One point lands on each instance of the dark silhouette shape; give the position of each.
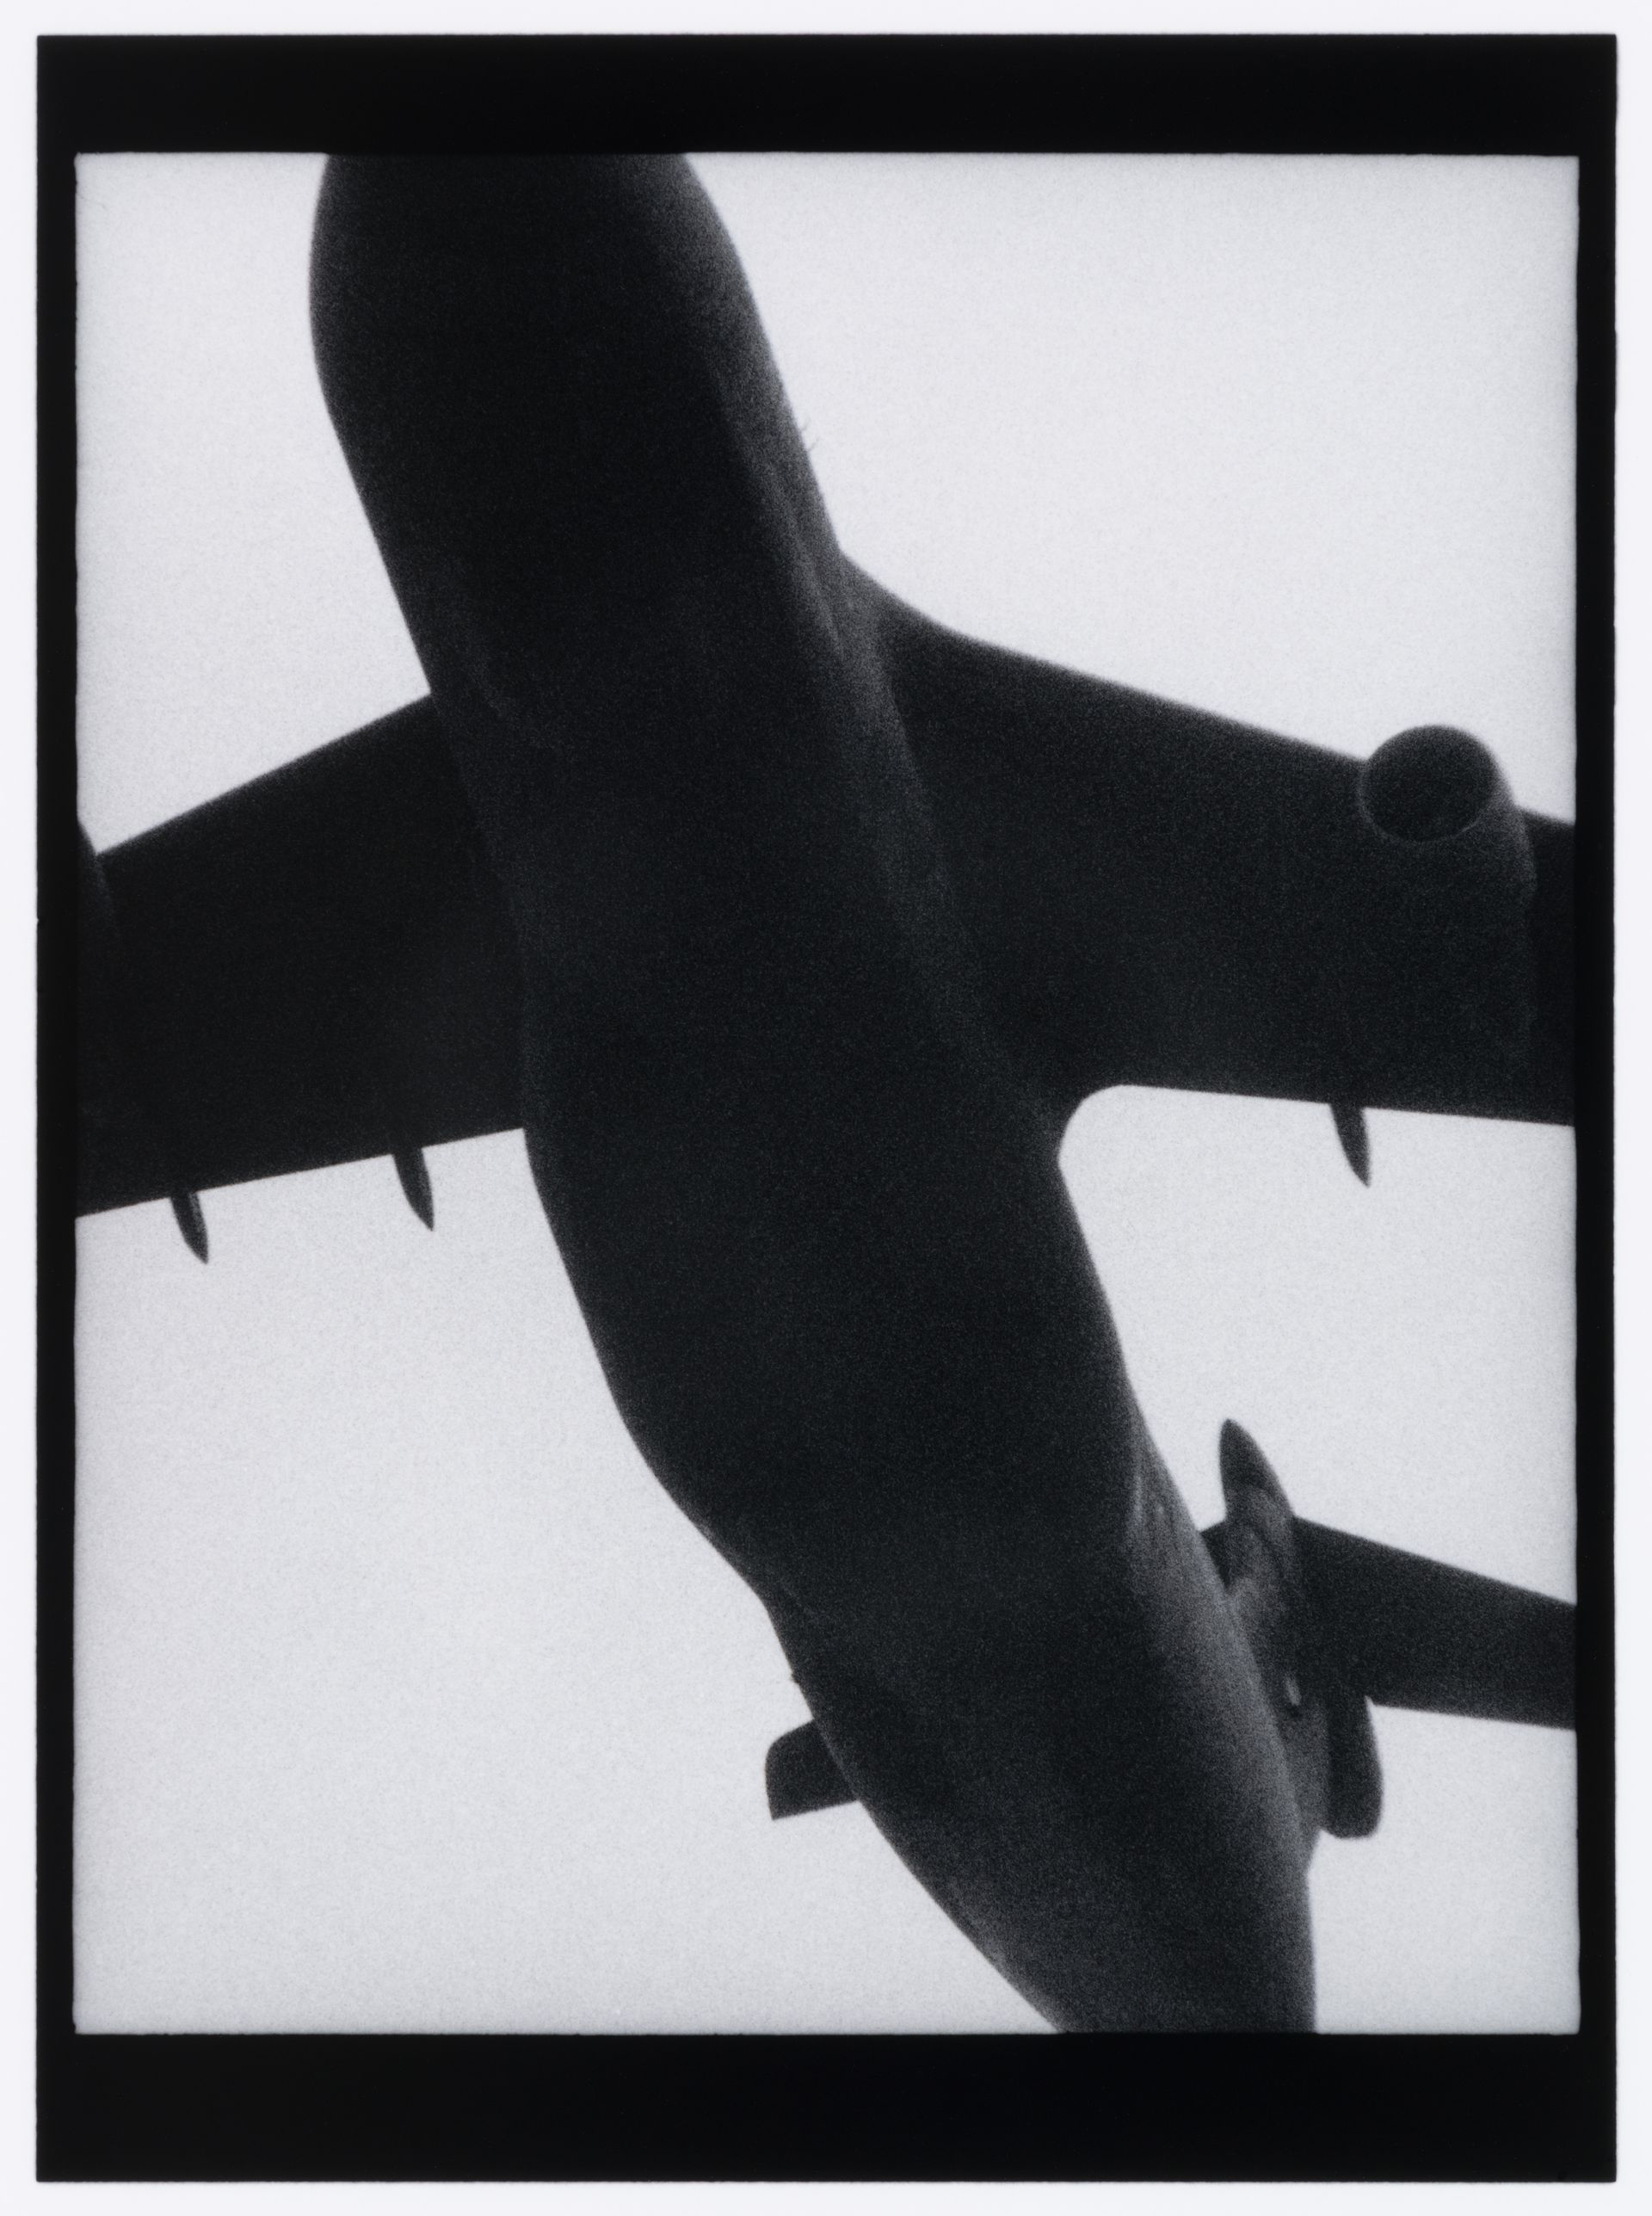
(1377, 1623)
(187, 1215)
(123, 1084)
(413, 1175)
(814, 922)
(799, 1774)
(1352, 1137)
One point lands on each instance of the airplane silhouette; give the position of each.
(816, 923)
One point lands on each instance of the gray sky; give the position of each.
(407, 1700)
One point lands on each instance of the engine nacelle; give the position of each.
(1439, 806)
(1449, 878)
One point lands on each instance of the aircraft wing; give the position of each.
(314, 968)
(1165, 897)
(318, 967)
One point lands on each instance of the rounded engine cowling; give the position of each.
(1440, 810)
(1449, 877)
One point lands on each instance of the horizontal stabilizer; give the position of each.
(1409, 1633)
(801, 1776)
(1405, 1631)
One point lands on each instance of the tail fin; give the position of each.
(1323, 1716)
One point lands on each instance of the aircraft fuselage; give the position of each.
(811, 1211)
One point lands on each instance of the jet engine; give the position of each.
(1448, 876)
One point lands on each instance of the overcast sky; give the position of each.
(406, 1698)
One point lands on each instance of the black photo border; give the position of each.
(1393, 2107)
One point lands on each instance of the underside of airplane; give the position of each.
(707, 859)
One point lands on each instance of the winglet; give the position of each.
(1350, 1120)
(411, 1168)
